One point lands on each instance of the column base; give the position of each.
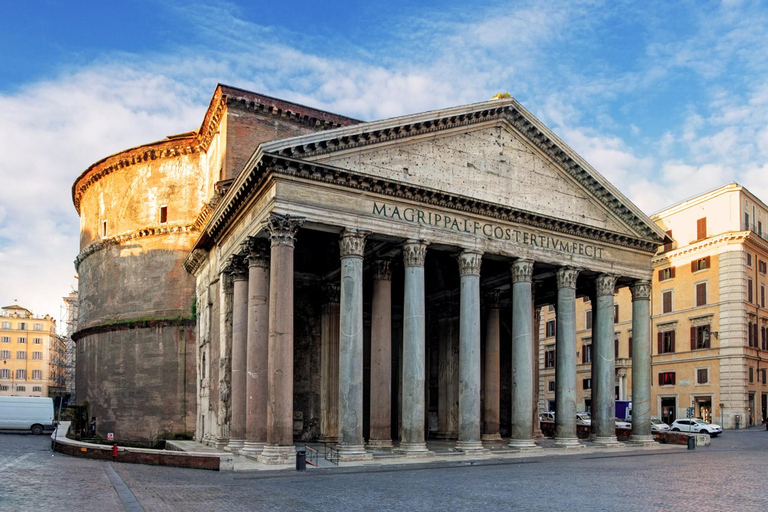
(568, 443)
(607, 442)
(252, 449)
(641, 440)
(234, 445)
(471, 448)
(491, 437)
(220, 443)
(523, 445)
(349, 452)
(275, 454)
(415, 450)
(379, 444)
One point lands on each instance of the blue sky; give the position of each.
(665, 99)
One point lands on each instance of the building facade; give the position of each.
(710, 323)
(30, 354)
(376, 284)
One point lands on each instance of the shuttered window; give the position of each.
(701, 294)
(701, 229)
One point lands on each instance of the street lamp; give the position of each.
(13, 379)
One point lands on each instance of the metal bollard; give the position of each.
(301, 460)
(691, 442)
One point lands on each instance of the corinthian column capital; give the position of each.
(605, 284)
(382, 270)
(257, 252)
(282, 228)
(469, 262)
(414, 253)
(237, 268)
(522, 270)
(641, 290)
(352, 242)
(566, 277)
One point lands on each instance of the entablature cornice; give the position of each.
(270, 165)
(700, 246)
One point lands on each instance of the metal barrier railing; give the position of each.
(331, 454)
(311, 455)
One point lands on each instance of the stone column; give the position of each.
(522, 356)
(225, 348)
(351, 444)
(257, 389)
(491, 378)
(412, 442)
(279, 448)
(329, 365)
(381, 357)
(604, 363)
(239, 353)
(641, 363)
(535, 363)
(447, 372)
(469, 353)
(565, 365)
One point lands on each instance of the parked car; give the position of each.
(26, 413)
(583, 418)
(658, 426)
(623, 424)
(696, 425)
(547, 416)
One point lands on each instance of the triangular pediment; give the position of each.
(495, 152)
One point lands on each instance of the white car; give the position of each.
(697, 425)
(583, 418)
(547, 416)
(658, 426)
(623, 424)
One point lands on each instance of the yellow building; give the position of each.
(709, 318)
(31, 354)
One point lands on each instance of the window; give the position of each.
(21, 388)
(666, 273)
(37, 355)
(5, 354)
(701, 229)
(21, 354)
(700, 264)
(550, 328)
(551, 386)
(6, 325)
(762, 374)
(586, 353)
(750, 297)
(549, 358)
(751, 374)
(163, 214)
(588, 319)
(38, 327)
(37, 374)
(764, 338)
(666, 378)
(37, 341)
(5, 373)
(668, 245)
(629, 348)
(700, 337)
(21, 374)
(103, 228)
(702, 376)
(38, 389)
(701, 294)
(762, 295)
(666, 342)
(762, 267)
(551, 308)
(752, 334)
(749, 260)
(3, 388)
(615, 313)
(746, 221)
(21, 340)
(666, 301)
(5, 339)
(760, 228)
(586, 384)
(22, 326)
(615, 348)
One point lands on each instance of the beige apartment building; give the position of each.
(31, 354)
(709, 318)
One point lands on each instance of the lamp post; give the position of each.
(13, 380)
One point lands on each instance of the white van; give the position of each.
(26, 413)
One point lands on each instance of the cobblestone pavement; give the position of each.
(728, 475)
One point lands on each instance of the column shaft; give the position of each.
(469, 353)
(351, 445)
(381, 357)
(604, 364)
(491, 378)
(225, 348)
(641, 363)
(412, 441)
(257, 384)
(565, 365)
(239, 355)
(329, 366)
(522, 355)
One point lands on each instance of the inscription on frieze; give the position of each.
(459, 224)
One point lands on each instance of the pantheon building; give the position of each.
(376, 284)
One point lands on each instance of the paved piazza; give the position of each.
(728, 475)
